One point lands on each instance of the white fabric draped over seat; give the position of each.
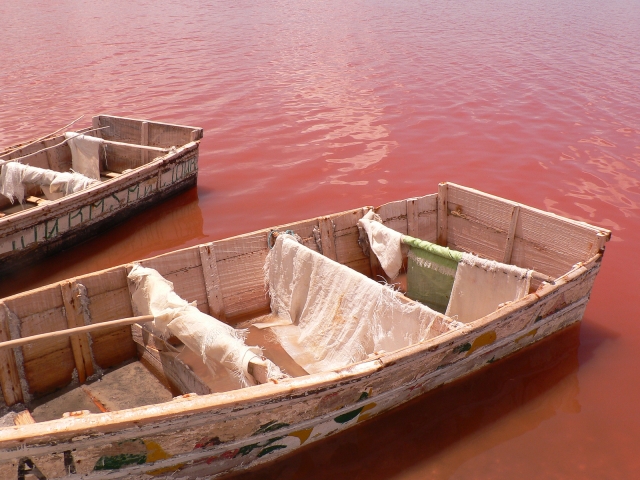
(332, 316)
(15, 175)
(219, 344)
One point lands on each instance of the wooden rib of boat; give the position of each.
(141, 162)
(119, 402)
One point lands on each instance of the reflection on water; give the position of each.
(173, 224)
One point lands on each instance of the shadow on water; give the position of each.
(177, 222)
(415, 433)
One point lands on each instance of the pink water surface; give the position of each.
(311, 107)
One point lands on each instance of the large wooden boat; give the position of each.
(100, 395)
(140, 162)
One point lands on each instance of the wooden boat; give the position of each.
(140, 163)
(126, 404)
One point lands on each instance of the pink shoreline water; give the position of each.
(316, 107)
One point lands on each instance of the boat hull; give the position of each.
(212, 435)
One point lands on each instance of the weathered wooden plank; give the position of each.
(167, 365)
(475, 237)
(75, 318)
(41, 299)
(394, 215)
(162, 135)
(443, 212)
(43, 379)
(110, 345)
(549, 245)
(177, 268)
(107, 280)
(212, 281)
(428, 218)
(327, 235)
(508, 249)
(9, 374)
(144, 140)
(113, 347)
(413, 228)
(110, 305)
(478, 223)
(41, 323)
(124, 156)
(24, 418)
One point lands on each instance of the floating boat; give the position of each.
(182, 365)
(120, 166)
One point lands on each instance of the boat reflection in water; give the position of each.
(175, 223)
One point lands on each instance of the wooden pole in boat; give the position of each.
(18, 342)
(9, 152)
(55, 146)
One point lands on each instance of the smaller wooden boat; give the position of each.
(143, 370)
(44, 207)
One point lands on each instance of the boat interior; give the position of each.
(112, 366)
(125, 144)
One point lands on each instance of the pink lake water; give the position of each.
(312, 107)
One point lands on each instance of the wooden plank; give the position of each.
(212, 282)
(110, 305)
(42, 323)
(412, 218)
(24, 418)
(73, 299)
(38, 300)
(346, 236)
(394, 215)
(113, 346)
(442, 215)
(9, 374)
(164, 135)
(508, 249)
(166, 360)
(184, 269)
(104, 281)
(189, 284)
(172, 372)
(478, 223)
(475, 237)
(549, 245)
(144, 140)
(125, 156)
(42, 378)
(327, 237)
(428, 217)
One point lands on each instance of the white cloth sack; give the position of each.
(85, 154)
(15, 175)
(481, 286)
(336, 315)
(218, 343)
(385, 243)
